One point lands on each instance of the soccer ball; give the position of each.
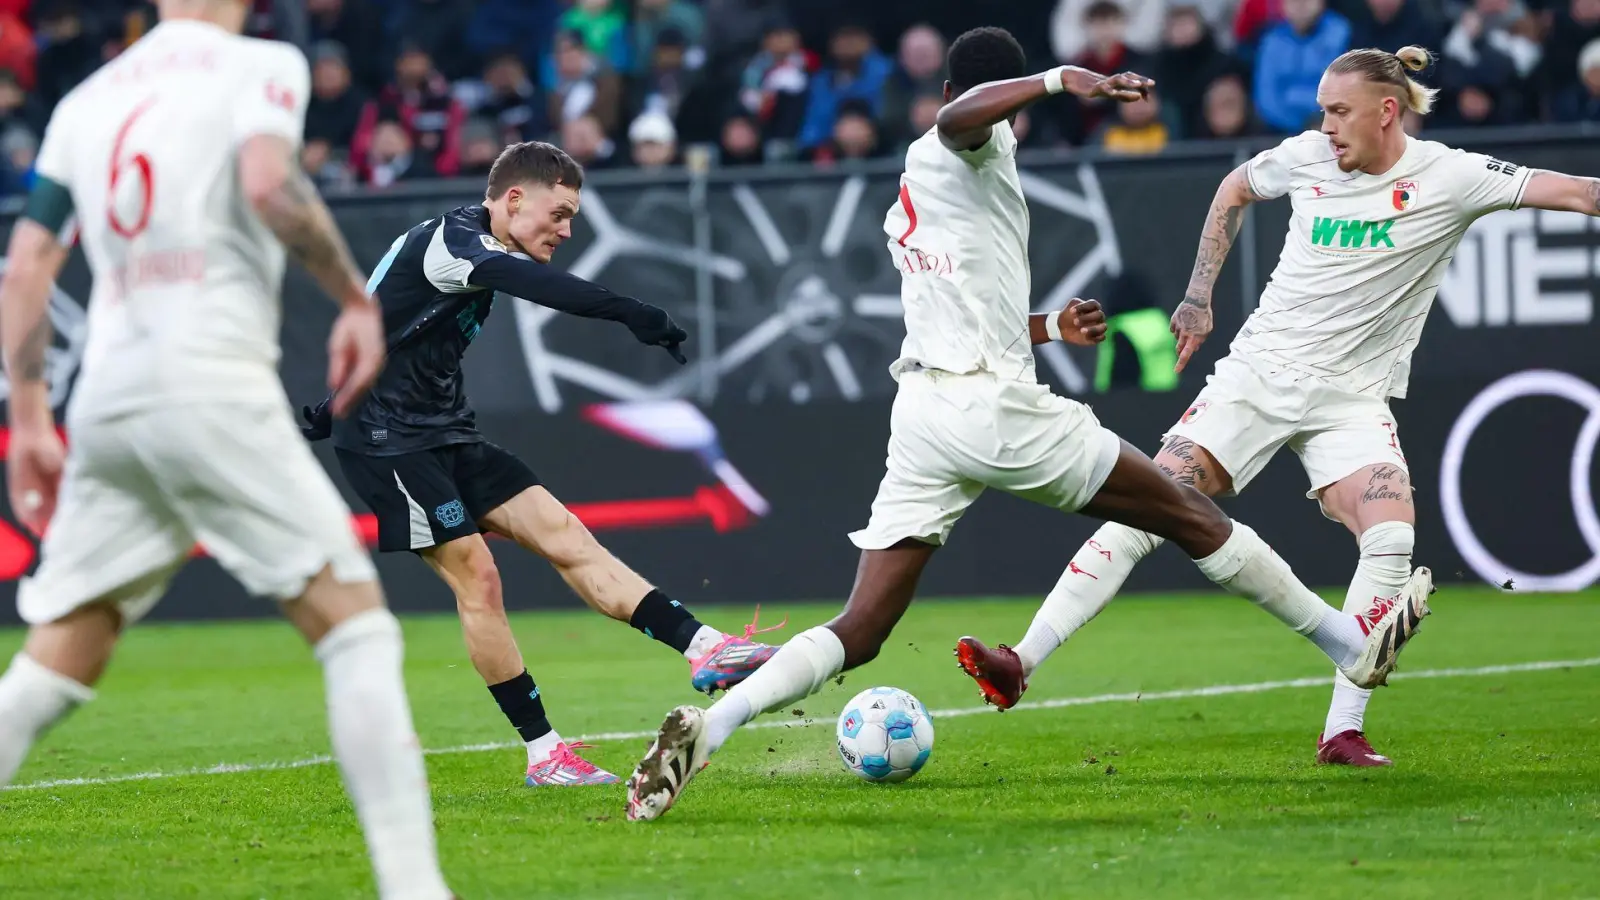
(885, 734)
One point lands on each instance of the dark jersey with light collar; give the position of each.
(437, 285)
(432, 312)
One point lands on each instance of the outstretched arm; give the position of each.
(1191, 323)
(965, 122)
(562, 291)
(1567, 193)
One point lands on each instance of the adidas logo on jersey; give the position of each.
(1351, 233)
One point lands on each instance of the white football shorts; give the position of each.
(951, 436)
(140, 490)
(1250, 408)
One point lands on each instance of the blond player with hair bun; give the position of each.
(1377, 217)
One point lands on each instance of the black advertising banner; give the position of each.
(736, 478)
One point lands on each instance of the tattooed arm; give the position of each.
(33, 259)
(1567, 193)
(1191, 323)
(288, 204)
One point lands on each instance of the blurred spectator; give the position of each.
(1250, 21)
(1226, 110)
(18, 143)
(734, 28)
(1106, 24)
(1494, 26)
(918, 72)
(391, 156)
(667, 81)
(584, 139)
(859, 72)
(1481, 72)
(653, 141)
(328, 166)
(652, 18)
(507, 97)
(498, 24)
(357, 27)
(1188, 63)
(1142, 26)
(741, 141)
(421, 102)
(581, 84)
(1575, 24)
(68, 53)
(854, 136)
(924, 114)
(1138, 128)
(17, 49)
(604, 27)
(773, 87)
(334, 110)
(1291, 59)
(481, 144)
(1581, 102)
(1392, 24)
(439, 27)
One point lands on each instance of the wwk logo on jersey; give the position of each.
(1405, 194)
(1351, 233)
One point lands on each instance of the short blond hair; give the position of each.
(1392, 70)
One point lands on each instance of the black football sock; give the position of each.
(519, 700)
(665, 619)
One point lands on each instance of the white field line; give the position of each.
(1217, 690)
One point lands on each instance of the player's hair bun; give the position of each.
(1414, 58)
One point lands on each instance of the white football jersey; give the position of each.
(959, 235)
(1365, 255)
(185, 303)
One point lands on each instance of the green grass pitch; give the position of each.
(1496, 792)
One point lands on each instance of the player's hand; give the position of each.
(1125, 87)
(319, 422)
(1083, 322)
(651, 325)
(1191, 324)
(355, 354)
(33, 475)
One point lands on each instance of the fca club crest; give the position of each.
(1195, 411)
(1405, 194)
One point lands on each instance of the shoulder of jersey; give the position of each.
(469, 218)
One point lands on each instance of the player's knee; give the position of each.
(1386, 551)
(481, 581)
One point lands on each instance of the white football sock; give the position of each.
(378, 753)
(540, 748)
(32, 698)
(1245, 565)
(702, 642)
(1093, 577)
(799, 669)
(1383, 572)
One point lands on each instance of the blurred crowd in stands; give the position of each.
(414, 89)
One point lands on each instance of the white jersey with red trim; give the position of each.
(185, 304)
(959, 235)
(1364, 256)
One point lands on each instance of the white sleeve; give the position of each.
(1001, 142)
(1482, 184)
(273, 97)
(54, 161)
(1271, 172)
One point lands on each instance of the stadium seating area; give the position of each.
(415, 89)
